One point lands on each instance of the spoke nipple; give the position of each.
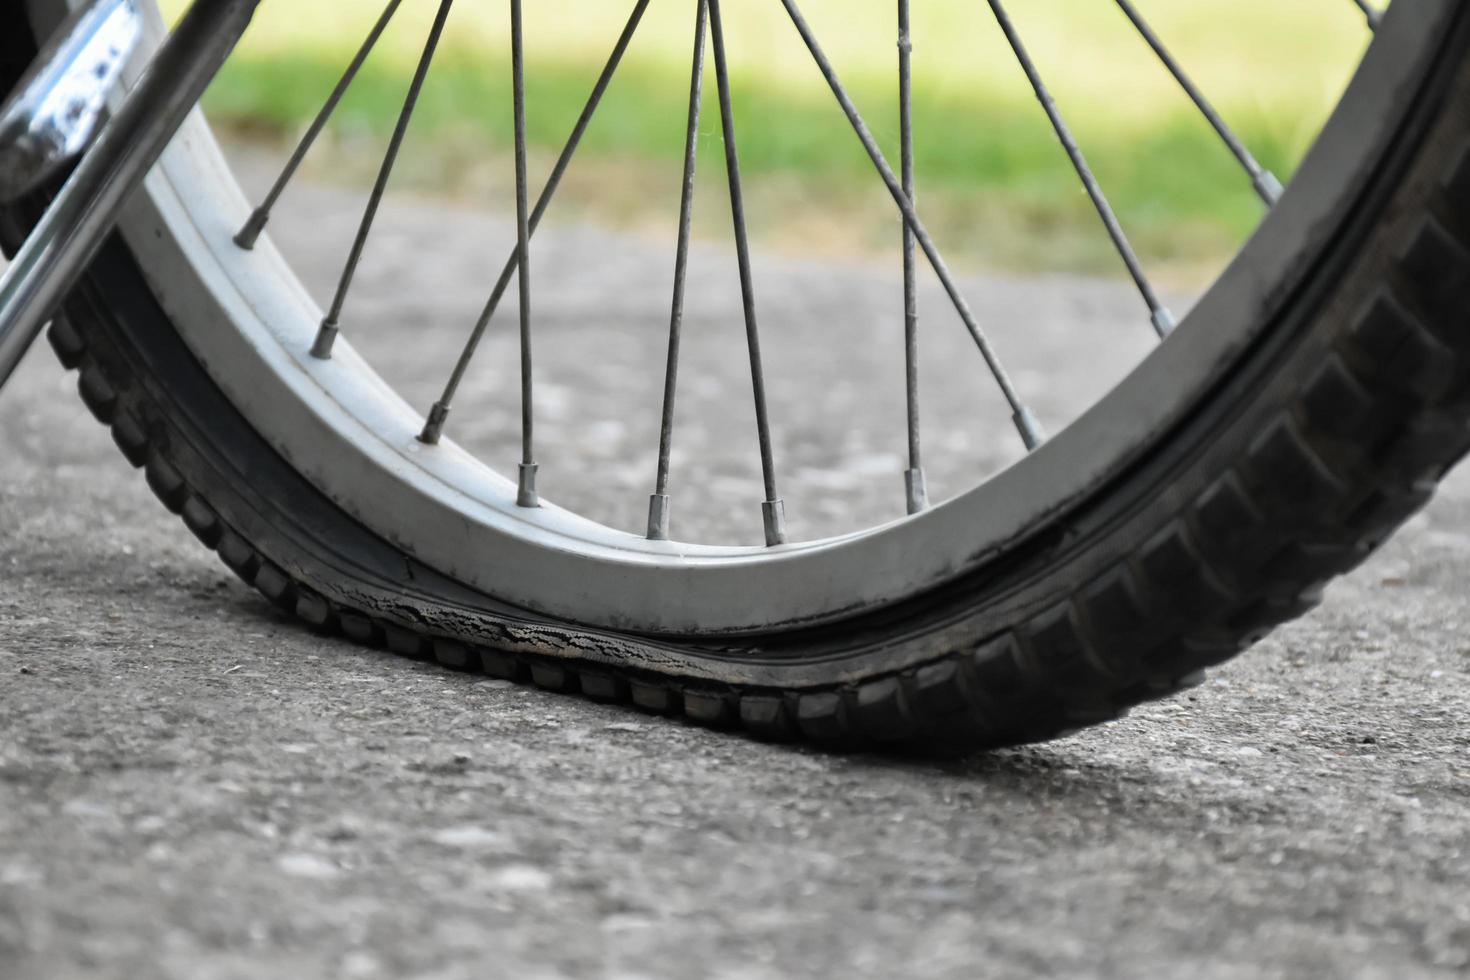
(434, 426)
(325, 338)
(773, 512)
(1163, 321)
(658, 517)
(251, 232)
(526, 491)
(1032, 434)
(916, 490)
(1268, 187)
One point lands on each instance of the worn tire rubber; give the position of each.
(1329, 432)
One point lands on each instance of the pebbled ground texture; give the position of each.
(193, 785)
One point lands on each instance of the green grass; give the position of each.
(993, 180)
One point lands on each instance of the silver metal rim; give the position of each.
(251, 324)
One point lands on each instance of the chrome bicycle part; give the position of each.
(56, 109)
(85, 210)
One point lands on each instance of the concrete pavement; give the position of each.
(192, 786)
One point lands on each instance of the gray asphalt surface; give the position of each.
(191, 786)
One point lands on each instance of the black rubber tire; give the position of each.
(1329, 432)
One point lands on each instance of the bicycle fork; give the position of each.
(52, 116)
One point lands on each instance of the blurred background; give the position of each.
(997, 190)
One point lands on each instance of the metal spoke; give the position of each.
(916, 491)
(1163, 320)
(526, 488)
(1264, 182)
(434, 426)
(658, 503)
(258, 218)
(773, 509)
(1374, 15)
(1025, 420)
(327, 333)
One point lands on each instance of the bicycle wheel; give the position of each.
(1303, 408)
